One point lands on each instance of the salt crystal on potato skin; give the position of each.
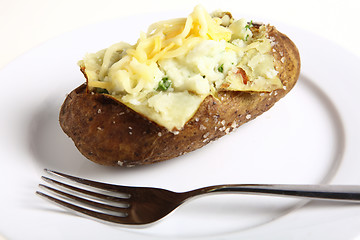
(150, 143)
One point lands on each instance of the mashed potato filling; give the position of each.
(167, 74)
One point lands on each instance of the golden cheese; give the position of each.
(170, 70)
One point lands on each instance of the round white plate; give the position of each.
(310, 136)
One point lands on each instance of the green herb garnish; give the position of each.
(249, 25)
(164, 84)
(221, 68)
(102, 90)
(247, 36)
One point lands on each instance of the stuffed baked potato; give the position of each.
(112, 123)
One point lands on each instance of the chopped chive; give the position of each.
(102, 90)
(249, 25)
(164, 84)
(221, 68)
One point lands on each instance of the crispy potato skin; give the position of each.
(108, 133)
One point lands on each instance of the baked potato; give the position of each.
(110, 131)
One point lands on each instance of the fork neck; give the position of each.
(206, 190)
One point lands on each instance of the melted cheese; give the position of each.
(197, 54)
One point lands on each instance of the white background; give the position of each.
(26, 24)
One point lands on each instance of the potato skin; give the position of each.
(109, 133)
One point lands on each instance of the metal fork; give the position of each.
(143, 205)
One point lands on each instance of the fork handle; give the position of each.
(324, 192)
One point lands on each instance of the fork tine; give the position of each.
(86, 192)
(81, 200)
(103, 186)
(84, 211)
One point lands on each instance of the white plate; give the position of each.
(310, 136)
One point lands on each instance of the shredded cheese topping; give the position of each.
(196, 56)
